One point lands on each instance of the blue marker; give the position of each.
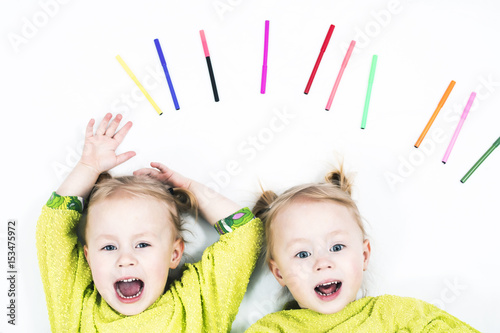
(165, 69)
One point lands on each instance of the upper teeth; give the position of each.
(327, 284)
(129, 280)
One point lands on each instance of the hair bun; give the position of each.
(338, 178)
(103, 176)
(263, 204)
(185, 200)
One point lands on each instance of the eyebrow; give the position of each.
(305, 240)
(111, 236)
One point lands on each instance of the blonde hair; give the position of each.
(177, 200)
(337, 188)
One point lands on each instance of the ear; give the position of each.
(366, 253)
(273, 266)
(86, 253)
(177, 251)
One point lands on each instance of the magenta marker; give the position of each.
(264, 65)
(459, 127)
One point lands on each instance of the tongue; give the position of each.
(327, 289)
(129, 288)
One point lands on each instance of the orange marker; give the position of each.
(434, 115)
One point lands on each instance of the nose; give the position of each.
(126, 259)
(323, 262)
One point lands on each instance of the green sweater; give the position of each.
(205, 299)
(369, 314)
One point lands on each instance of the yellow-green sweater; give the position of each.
(205, 299)
(384, 314)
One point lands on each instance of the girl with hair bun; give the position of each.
(316, 247)
(115, 278)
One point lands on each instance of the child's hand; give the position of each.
(212, 205)
(99, 148)
(165, 175)
(98, 156)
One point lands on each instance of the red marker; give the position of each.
(316, 65)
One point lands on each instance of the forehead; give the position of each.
(303, 217)
(121, 213)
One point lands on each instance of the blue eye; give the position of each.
(303, 254)
(142, 245)
(109, 248)
(337, 247)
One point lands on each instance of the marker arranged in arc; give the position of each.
(369, 91)
(209, 65)
(481, 160)
(134, 78)
(339, 76)
(165, 69)
(459, 127)
(320, 56)
(264, 64)
(434, 115)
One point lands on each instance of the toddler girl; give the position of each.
(115, 278)
(316, 247)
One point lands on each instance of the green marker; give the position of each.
(478, 163)
(369, 90)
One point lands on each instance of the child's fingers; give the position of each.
(89, 131)
(124, 157)
(101, 129)
(114, 125)
(174, 178)
(120, 135)
(163, 169)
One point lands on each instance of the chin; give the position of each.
(129, 310)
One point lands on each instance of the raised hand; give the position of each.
(99, 155)
(99, 148)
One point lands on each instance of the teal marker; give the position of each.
(369, 90)
(478, 163)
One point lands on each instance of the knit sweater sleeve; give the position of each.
(63, 268)
(223, 274)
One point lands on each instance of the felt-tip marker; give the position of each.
(478, 163)
(165, 69)
(209, 64)
(320, 56)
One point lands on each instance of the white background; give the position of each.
(433, 237)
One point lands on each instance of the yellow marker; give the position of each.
(132, 76)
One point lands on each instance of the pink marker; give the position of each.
(344, 64)
(209, 65)
(264, 65)
(459, 127)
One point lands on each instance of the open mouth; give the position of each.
(327, 289)
(129, 289)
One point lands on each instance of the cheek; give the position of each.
(296, 273)
(99, 267)
(356, 267)
(156, 265)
